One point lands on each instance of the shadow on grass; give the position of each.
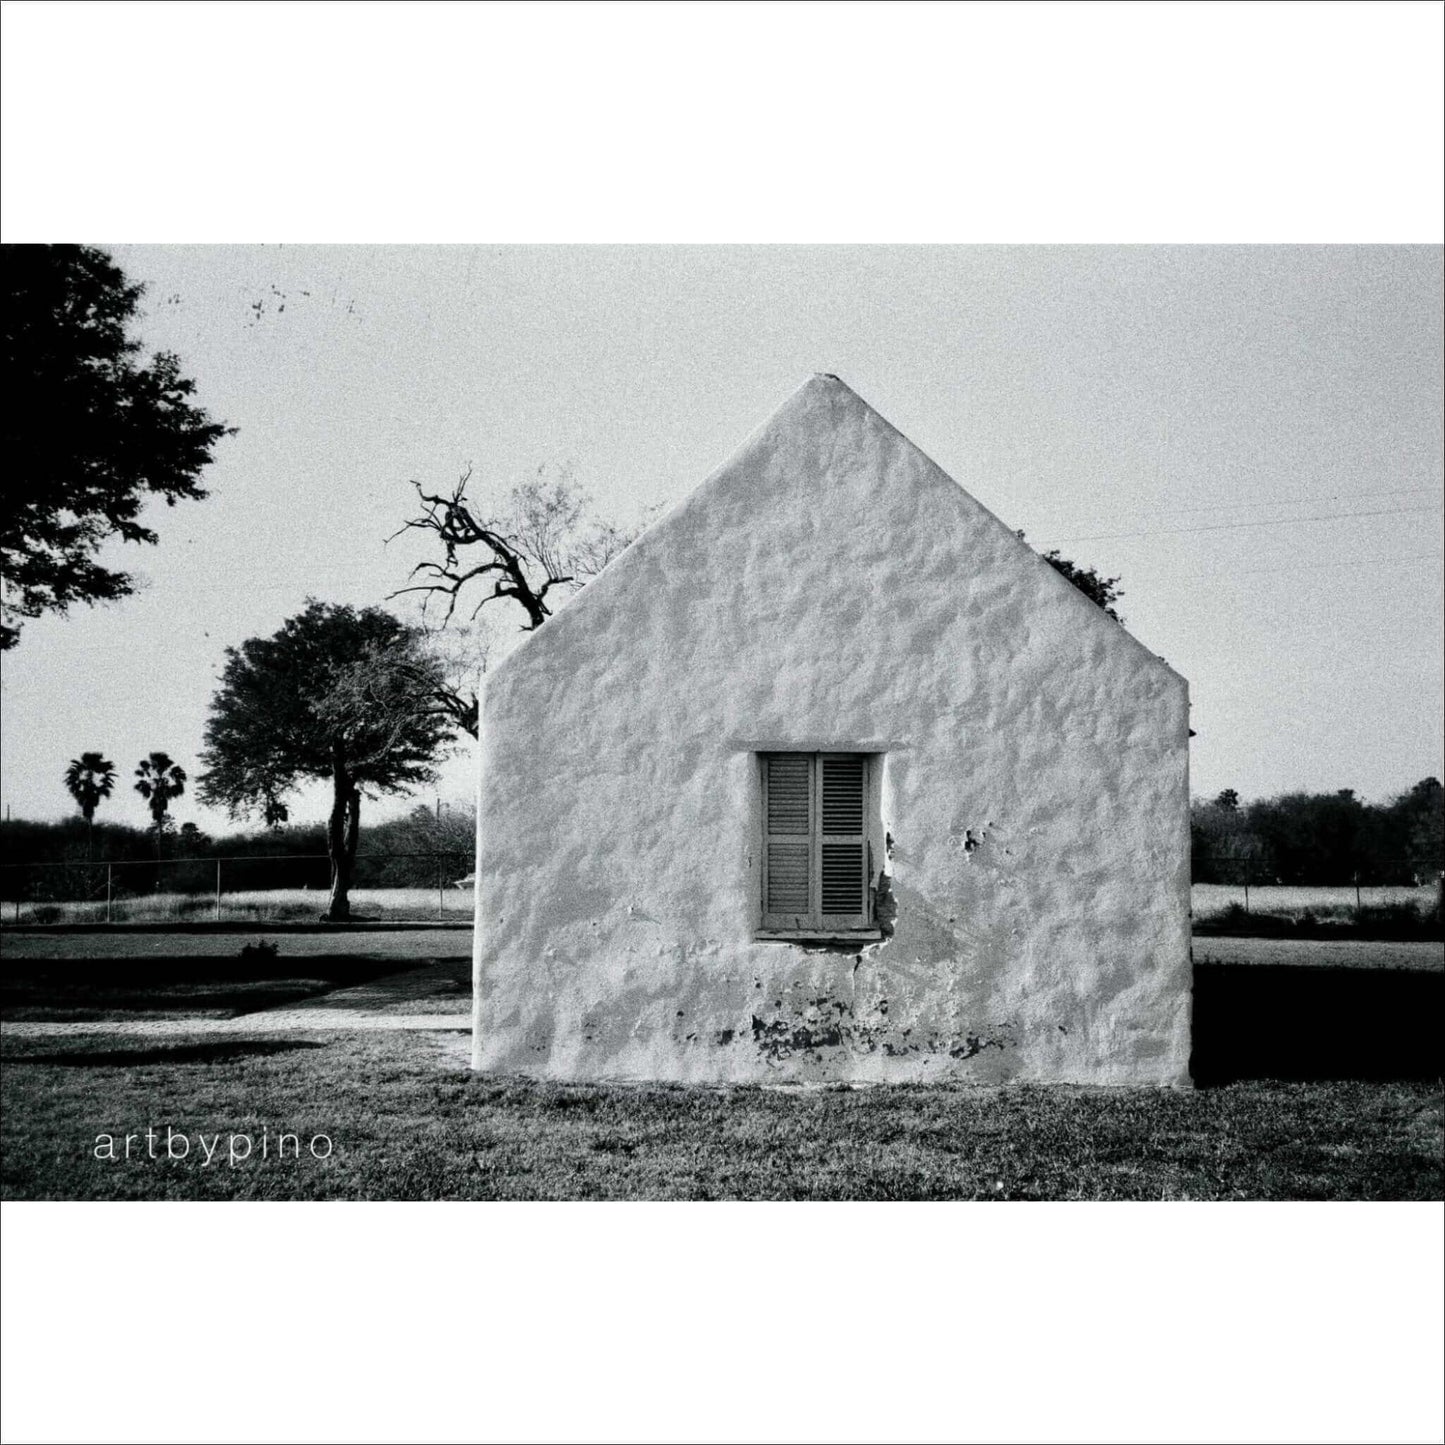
(88, 989)
(217, 1053)
(1279, 1021)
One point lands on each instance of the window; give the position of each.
(817, 843)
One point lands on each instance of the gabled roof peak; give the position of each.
(824, 449)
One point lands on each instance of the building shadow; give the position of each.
(89, 989)
(1281, 1021)
(217, 1053)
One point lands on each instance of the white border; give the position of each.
(1070, 1322)
(871, 121)
(786, 122)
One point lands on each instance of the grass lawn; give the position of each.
(406, 1122)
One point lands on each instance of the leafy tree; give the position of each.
(338, 693)
(91, 430)
(452, 828)
(88, 779)
(1105, 591)
(1225, 850)
(427, 847)
(158, 780)
(1418, 818)
(1312, 838)
(1318, 839)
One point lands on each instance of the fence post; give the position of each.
(108, 892)
(218, 890)
(1357, 892)
(1246, 890)
(441, 897)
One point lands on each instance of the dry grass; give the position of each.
(403, 1127)
(275, 905)
(1210, 899)
(401, 904)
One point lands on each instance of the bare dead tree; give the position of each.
(541, 542)
(391, 691)
(462, 652)
(541, 545)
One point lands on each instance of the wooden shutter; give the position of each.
(815, 845)
(842, 840)
(788, 845)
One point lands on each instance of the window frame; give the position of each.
(817, 925)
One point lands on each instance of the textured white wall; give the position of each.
(830, 587)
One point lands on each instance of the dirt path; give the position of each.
(434, 998)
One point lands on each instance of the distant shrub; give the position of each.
(1401, 921)
(1237, 919)
(1398, 920)
(260, 951)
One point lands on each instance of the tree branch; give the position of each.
(543, 545)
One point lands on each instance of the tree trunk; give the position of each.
(342, 831)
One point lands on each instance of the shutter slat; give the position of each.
(788, 794)
(787, 877)
(842, 877)
(843, 795)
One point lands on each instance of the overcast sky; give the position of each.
(1249, 436)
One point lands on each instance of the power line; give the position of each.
(1233, 526)
(1255, 506)
(1305, 566)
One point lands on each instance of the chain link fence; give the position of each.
(396, 887)
(1255, 886)
(438, 885)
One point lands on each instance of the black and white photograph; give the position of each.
(842, 726)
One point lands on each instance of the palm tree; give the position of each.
(89, 778)
(158, 780)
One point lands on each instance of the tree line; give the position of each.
(1315, 839)
(1303, 839)
(419, 850)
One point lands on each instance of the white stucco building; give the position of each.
(830, 777)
